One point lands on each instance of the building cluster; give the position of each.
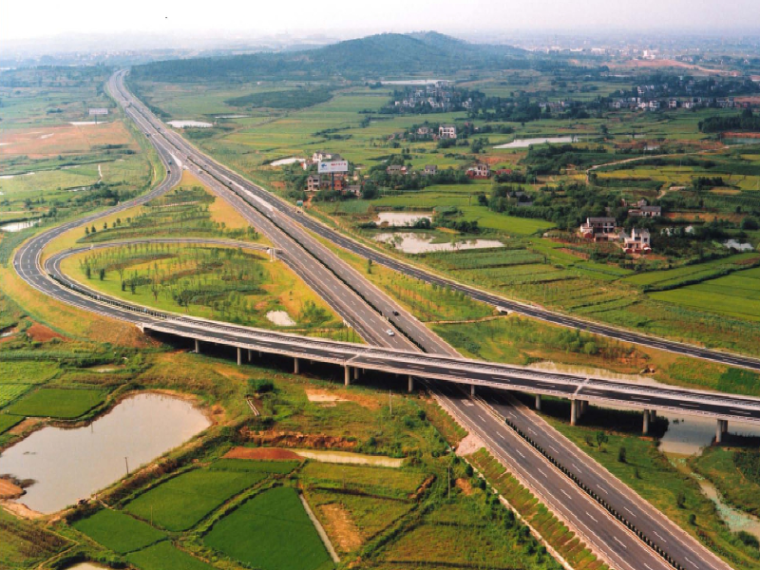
(338, 181)
(645, 103)
(438, 97)
(600, 229)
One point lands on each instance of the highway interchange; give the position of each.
(372, 313)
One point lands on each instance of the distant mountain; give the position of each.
(371, 57)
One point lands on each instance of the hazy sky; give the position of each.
(21, 19)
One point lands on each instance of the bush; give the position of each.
(260, 386)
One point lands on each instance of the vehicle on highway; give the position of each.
(395, 313)
(390, 332)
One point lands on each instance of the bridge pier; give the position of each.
(197, 346)
(720, 430)
(239, 356)
(472, 390)
(411, 384)
(249, 355)
(538, 402)
(652, 415)
(296, 366)
(574, 411)
(584, 408)
(645, 428)
(347, 375)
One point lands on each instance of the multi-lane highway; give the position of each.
(374, 311)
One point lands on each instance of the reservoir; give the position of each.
(71, 464)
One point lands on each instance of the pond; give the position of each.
(286, 161)
(741, 140)
(280, 318)
(195, 124)
(525, 143)
(401, 218)
(735, 519)
(424, 243)
(19, 226)
(71, 464)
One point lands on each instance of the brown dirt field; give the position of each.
(262, 453)
(39, 142)
(294, 439)
(9, 490)
(465, 486)
(341, 527)
(743, 135)
(41, 333)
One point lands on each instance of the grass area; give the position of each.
(183, 501)
(118, 531)
(271, 531)
(725, 468)
(25, 544)
(162, 556)
(62, 403)
(389, 482)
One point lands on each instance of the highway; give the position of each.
(396, 354)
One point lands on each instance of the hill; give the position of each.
(371, 57)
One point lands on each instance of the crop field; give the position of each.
(118, 531)
(57, 402)
(381, 481)
(10, 392)
(8, 421)
(271, 531)
(183, 501)
(162, 556)
(206, 281)
(736, 295)
(701, 271)
(24, 544)
(254, 466)
(26, 372)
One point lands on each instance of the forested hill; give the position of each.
(365, 58)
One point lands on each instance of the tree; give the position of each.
(622, 454)
(102, 274)
(369, 267)
(88, 272)
(601, 438)
(750, 224)
(681, 500)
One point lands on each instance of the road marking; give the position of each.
(660, 537)
(482, 419)
(620, 542)
(501, 435)
(691, 562)
(591, 517)
(565, 493)
(602, 489)
(520, 452)
(542, 473)
(576, 468)
(630, 511)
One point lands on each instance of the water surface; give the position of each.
(72, 464)
(196, 124)
(525, 143)
(423, 243)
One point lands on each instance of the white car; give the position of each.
(390, 332)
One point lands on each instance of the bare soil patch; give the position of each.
(469, 445)
(341, 527)
(464, 486)
(41, 333)
(295, 439)
(262, 453)
(9, 490)
(66, 139)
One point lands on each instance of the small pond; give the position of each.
(401, 218)
(286, 161)
(735, 519)
(188, 123)
(19, 226)
(280, 318)
(525, 143)
(424, 243)
(72, 464)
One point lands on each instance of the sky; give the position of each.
(27, 19)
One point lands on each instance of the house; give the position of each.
(312, 183)
(637, 242)
(480, 170)
(396, 169)
(354, 189)
(447, 132)
(599, 228)
(646, 212)
(504, 172)
(424, 131)
(430, 170)
(320, 156)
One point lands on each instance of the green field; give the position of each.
(383, 481)
(248, 465)
(28, 372)
(7, 422)
(9, 392)
(164, 556)
(183, 501)
(736, 295)
(57, 402)
(24, 544)
(271, 531)
(118, 531)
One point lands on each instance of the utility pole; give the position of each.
(126, 463)
(390, 401)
